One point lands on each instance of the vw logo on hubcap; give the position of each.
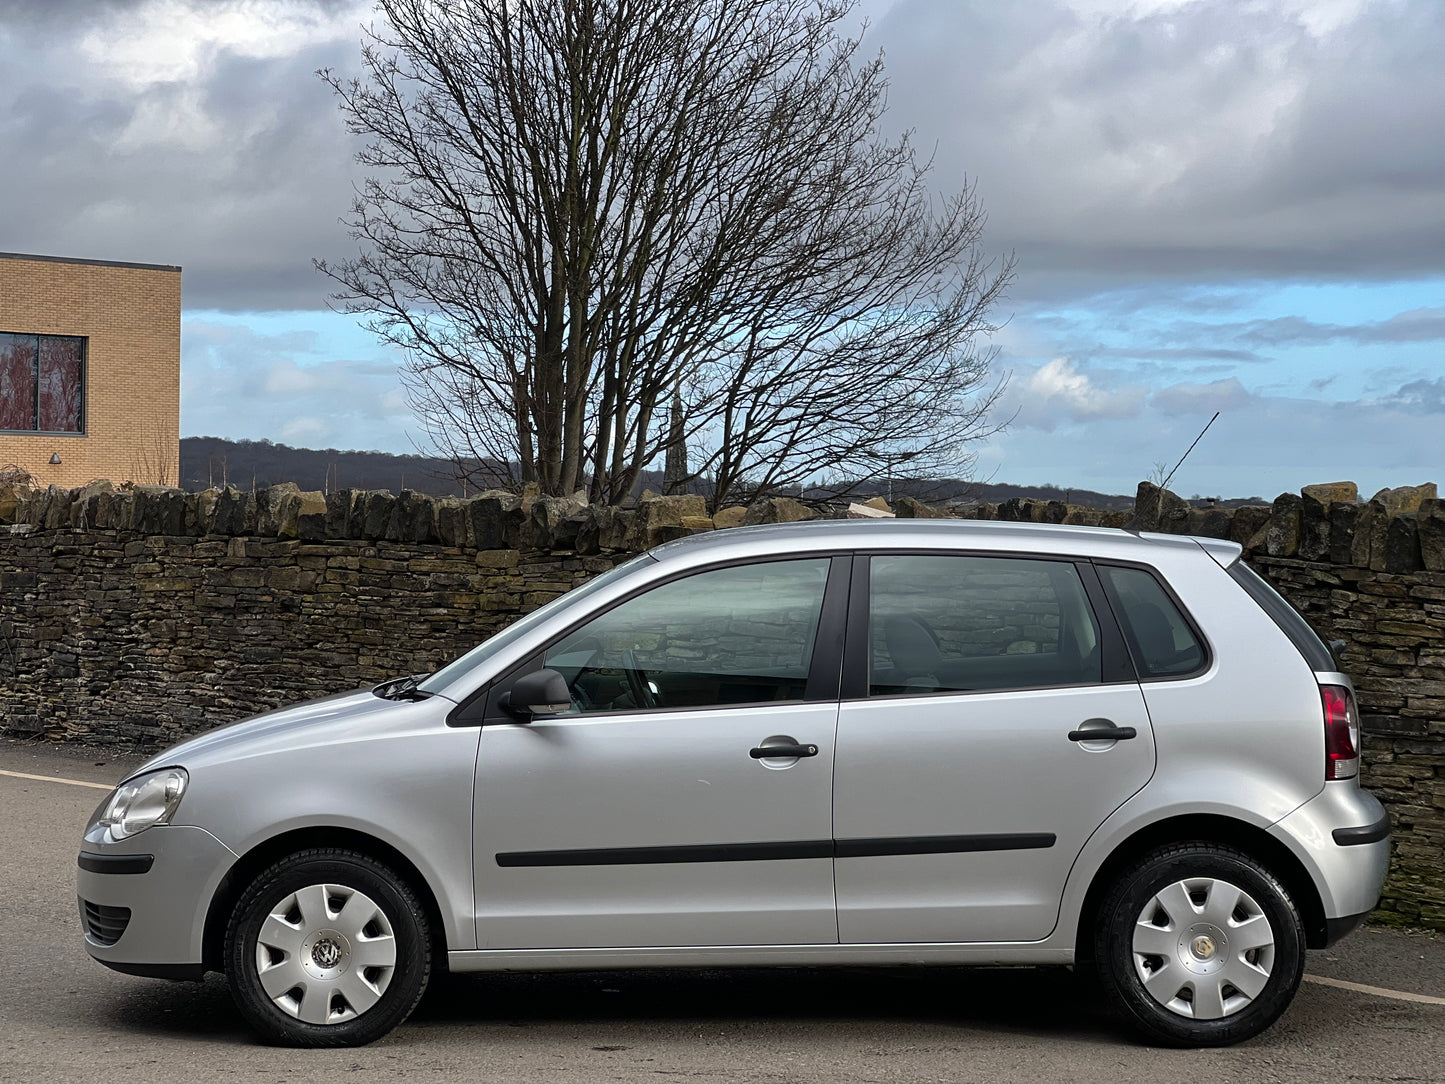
(326, 953)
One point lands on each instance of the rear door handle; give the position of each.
(770, 751)
(1104, 733)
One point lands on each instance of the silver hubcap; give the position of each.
(1203, 948)
(325, 954)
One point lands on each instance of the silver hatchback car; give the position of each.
(912, 742)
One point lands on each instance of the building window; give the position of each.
(42, 383)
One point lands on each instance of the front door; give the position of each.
(651, 814)
(964, 788)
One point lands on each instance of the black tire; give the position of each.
(1120, 974)
(399, 916)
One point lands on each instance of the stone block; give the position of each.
(878, 504)
(1403, 499)
(492, 516)
(340, 510)
(201, 511)
(1160, 510)
(376, 514)
(1209, 522)
(1327, 493)
(776, 510)
(910, 508)
(413, 518)
(235, 512)
(1248, 520)
(85, 503)
(1430, 523)
(863, 511)
(547, 524)
(452, 522)
(1314, 531)
(1344, 519)
(1282, 531)
(655, 513)
(1402, 544)
(729, 517)
(268, 507)
(305, 516)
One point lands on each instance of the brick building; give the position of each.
(90, 369)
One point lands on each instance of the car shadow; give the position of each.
(1036, 1001)
(1040, 1002)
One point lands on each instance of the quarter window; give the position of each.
(731, 636)
(42, 383)
(963, 624)
(1159, 636)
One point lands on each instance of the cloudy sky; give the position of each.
(1231, 205)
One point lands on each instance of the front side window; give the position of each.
(966, 624)
(42, 383)
(1159, 636)
(731, 636)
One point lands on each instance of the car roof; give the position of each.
(1045, 539)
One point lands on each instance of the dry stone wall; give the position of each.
(137, 616)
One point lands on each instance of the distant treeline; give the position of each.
(211, 461)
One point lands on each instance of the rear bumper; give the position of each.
(1342, 838)
(143, 902)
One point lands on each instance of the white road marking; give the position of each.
(58, 779)
(1376, 991)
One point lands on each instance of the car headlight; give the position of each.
(142, 802)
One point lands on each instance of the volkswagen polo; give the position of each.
(898, 742)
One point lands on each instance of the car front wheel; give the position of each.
(1198, 946)
(327, 947)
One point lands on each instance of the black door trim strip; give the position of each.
(1008, 841)
(779, 851)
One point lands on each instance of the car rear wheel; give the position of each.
(1198, 946)
(327, 947)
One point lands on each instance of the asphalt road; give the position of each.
(64, 1017)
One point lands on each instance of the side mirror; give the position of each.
(542, 692)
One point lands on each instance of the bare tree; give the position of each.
(583, 212)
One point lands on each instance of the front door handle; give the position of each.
(1104, 733)
(770, 751)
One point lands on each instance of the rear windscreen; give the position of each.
(1285, 616)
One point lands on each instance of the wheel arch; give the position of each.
(267, 852)
(1258, 844)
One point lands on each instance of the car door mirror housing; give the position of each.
(540, 693)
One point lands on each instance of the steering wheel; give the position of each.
(637, 681)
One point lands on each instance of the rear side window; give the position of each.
(962, 624)
(1285, 616)
(1160, 638)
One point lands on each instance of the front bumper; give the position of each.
(143, 901)
(1342, 838)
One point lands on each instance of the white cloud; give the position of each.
(167, 41)
(1057, 392)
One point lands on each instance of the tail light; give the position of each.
(1342, 732)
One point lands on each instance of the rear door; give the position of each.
(965, 782)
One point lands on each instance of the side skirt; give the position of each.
(1009, 954)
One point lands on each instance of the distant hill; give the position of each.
(212, 461)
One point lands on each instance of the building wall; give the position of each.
(131, 316)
